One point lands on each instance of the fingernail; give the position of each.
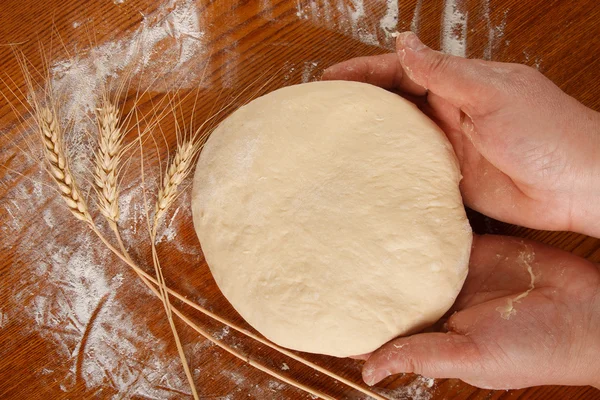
(411, 41)
(376, 376)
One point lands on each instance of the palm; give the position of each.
(488, 343)
(514, 342)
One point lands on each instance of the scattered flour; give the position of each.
(236, 377)
(169, 233)
(230, 71)
(223, 333)
(495, 33)
(418, 389)
(524, 259)
(537, 61)
(275, 386)
(73, 300)
(416, 19)
(309, 70)
(82, 77)
(300, 10)
(454, 29)
(389, 22)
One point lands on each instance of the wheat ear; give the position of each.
(178, 170)
(58, 166)
(108, 157)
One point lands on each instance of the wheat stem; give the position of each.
(176, 173)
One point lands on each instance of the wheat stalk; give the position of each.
(108, 157)
(58, 165)
(177, 171)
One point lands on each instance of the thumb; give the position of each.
(436, 355)
(465, 83)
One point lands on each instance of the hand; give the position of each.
(508, 331)
(529, 153)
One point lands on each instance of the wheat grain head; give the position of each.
(57, 162)
(180, 167)
(108, 157)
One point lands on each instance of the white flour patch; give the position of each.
(3, 319)
(308, 71)
(526, 257)
(360, 28)
(222, 334)
(389, 22)
(236, 377)
(169, 232)
(266, 7)
(301, 10)
(416, 19)
(454, 29)
(275, 386)
(230, 72)
(495, 33)
(347, 17)
(79, 80)
(69, 298)
(537, 61)
(49, 219)
(419, 389)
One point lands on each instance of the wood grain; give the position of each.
(253, 45)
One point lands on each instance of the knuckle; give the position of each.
(524, 80)
(439, 64)
(411, 364)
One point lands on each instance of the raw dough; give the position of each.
(330, 216)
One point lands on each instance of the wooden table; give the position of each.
(75, 322)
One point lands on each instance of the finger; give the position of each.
(467, 84)
(384, 71)
(436, 355)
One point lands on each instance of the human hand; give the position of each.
(507, 330)
(528, 152)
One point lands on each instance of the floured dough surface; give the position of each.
(330, 216)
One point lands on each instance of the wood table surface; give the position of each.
(75, 322)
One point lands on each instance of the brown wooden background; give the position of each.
(244, 44)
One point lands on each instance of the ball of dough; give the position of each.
(330, 216)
